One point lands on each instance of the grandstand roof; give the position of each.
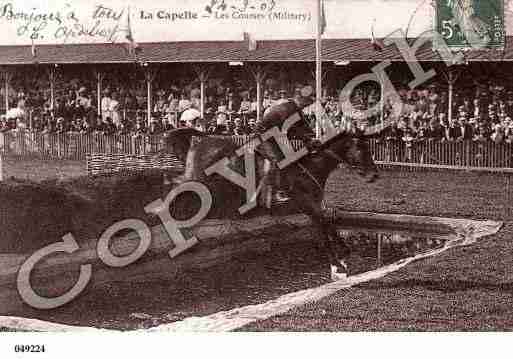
(224, 51)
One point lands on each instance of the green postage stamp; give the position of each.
(471, 24)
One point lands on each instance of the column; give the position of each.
(150, 77)
(203, 73)
(259, 75)
(7, 80)
(99, 80)
(52, 71)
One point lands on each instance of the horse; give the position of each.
(306, 178)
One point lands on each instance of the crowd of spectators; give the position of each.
(483, 113)
(227, 110)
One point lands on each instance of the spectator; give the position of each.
(435, 131)
(220, 128)
(184, 103)
(251, 126)
(498, 134)
(481, 134)
(106, 104)
(114, 109)
(160, 104)
(245, 105)
(239, 129)
(393, 133)
(467, 131)
(508, 134)
(140, 129)
(155, 127)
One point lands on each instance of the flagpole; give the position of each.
(318, 71)
(382, 102)
(6, 74)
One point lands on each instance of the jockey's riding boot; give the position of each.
(281, 196)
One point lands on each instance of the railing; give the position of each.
(76, 146)
(444, 154)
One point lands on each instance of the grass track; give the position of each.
(463, 289)
(38, 170)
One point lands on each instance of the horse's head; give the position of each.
(353, 149)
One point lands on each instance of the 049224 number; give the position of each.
(18, 348)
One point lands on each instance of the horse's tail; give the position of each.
(179, 141)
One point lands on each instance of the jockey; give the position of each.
(275, 116)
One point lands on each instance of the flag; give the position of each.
(250, 42)
(33, 50)
(377, 44)
(132, 46)
(323, 18)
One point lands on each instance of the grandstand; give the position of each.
(66, 94)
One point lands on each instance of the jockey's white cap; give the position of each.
(15, 113)
(190, 115)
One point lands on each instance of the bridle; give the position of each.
(329, 152)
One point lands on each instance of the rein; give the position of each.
(307, 172)
(329, 152)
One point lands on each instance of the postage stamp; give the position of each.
(471, 24)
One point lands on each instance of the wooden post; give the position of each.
(203, 74)
(7, 79)
(382, 86)
(99, 80)
(259, 74)
(449, 112)
(202, 98)
(318, 71)
(148, 83)
(508, 197)
(51, 77)
(1, 167)
(451, 78)
(150, 77)
(259, 99)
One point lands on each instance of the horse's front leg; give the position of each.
(328, 236)
(339, 269)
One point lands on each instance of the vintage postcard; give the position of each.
(179, 167)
